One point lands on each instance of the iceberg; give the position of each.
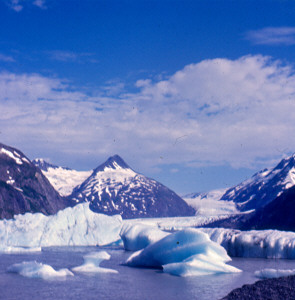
(33, 269)
(139, 236)
(73, 226)
(184, 253)
(273, 273)
(92, 262)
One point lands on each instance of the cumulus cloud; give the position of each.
(238, 112)
(272, 36)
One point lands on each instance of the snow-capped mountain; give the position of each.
(23, 187)
(254, 193)
(114, 188)
(64, 180)
(264, 186)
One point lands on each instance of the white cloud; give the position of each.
(220, 111)
(6, 58)
(272, 36)
(18, 5)
(40, 3)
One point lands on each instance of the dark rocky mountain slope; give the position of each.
(23, 187)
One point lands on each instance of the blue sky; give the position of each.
(196, 94)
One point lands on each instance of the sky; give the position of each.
(198, 95)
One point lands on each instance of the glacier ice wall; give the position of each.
(254, 243)
(75, 226)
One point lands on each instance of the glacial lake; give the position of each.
(129, 283)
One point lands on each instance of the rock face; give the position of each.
(23, 187)
(114, 188)
(263, 187)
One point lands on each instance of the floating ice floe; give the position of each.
(73, 226)
(273, 273)
(33, 269)
(19, 250)
(139, 236)
(184, 253)
(92, 262)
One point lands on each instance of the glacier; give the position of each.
(92, 263)
(73, 226)
(188, 252)
(33, 269)
(254, 243)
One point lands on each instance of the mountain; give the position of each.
(263, 187)
(114, 188)
(23, 187)
(64, 180)
(258, 191)
(278, 214)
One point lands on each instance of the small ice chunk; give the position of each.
(273, 273)
(92, 262)
(33, 269)
(19, 250)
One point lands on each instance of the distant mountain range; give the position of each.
(268, 196)
(265, 201)
(114, 188)
(23, 187)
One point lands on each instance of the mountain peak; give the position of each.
(44, 165)
(114, 162)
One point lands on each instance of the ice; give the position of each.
(92, 262)
(33, 269)
(19, 250)
(201, 264)
(138, 236)
(184, 253)
(254, 243)
(77, 226)
(273, 273)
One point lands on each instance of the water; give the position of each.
(130, 283)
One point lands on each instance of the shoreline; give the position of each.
(281, 288)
